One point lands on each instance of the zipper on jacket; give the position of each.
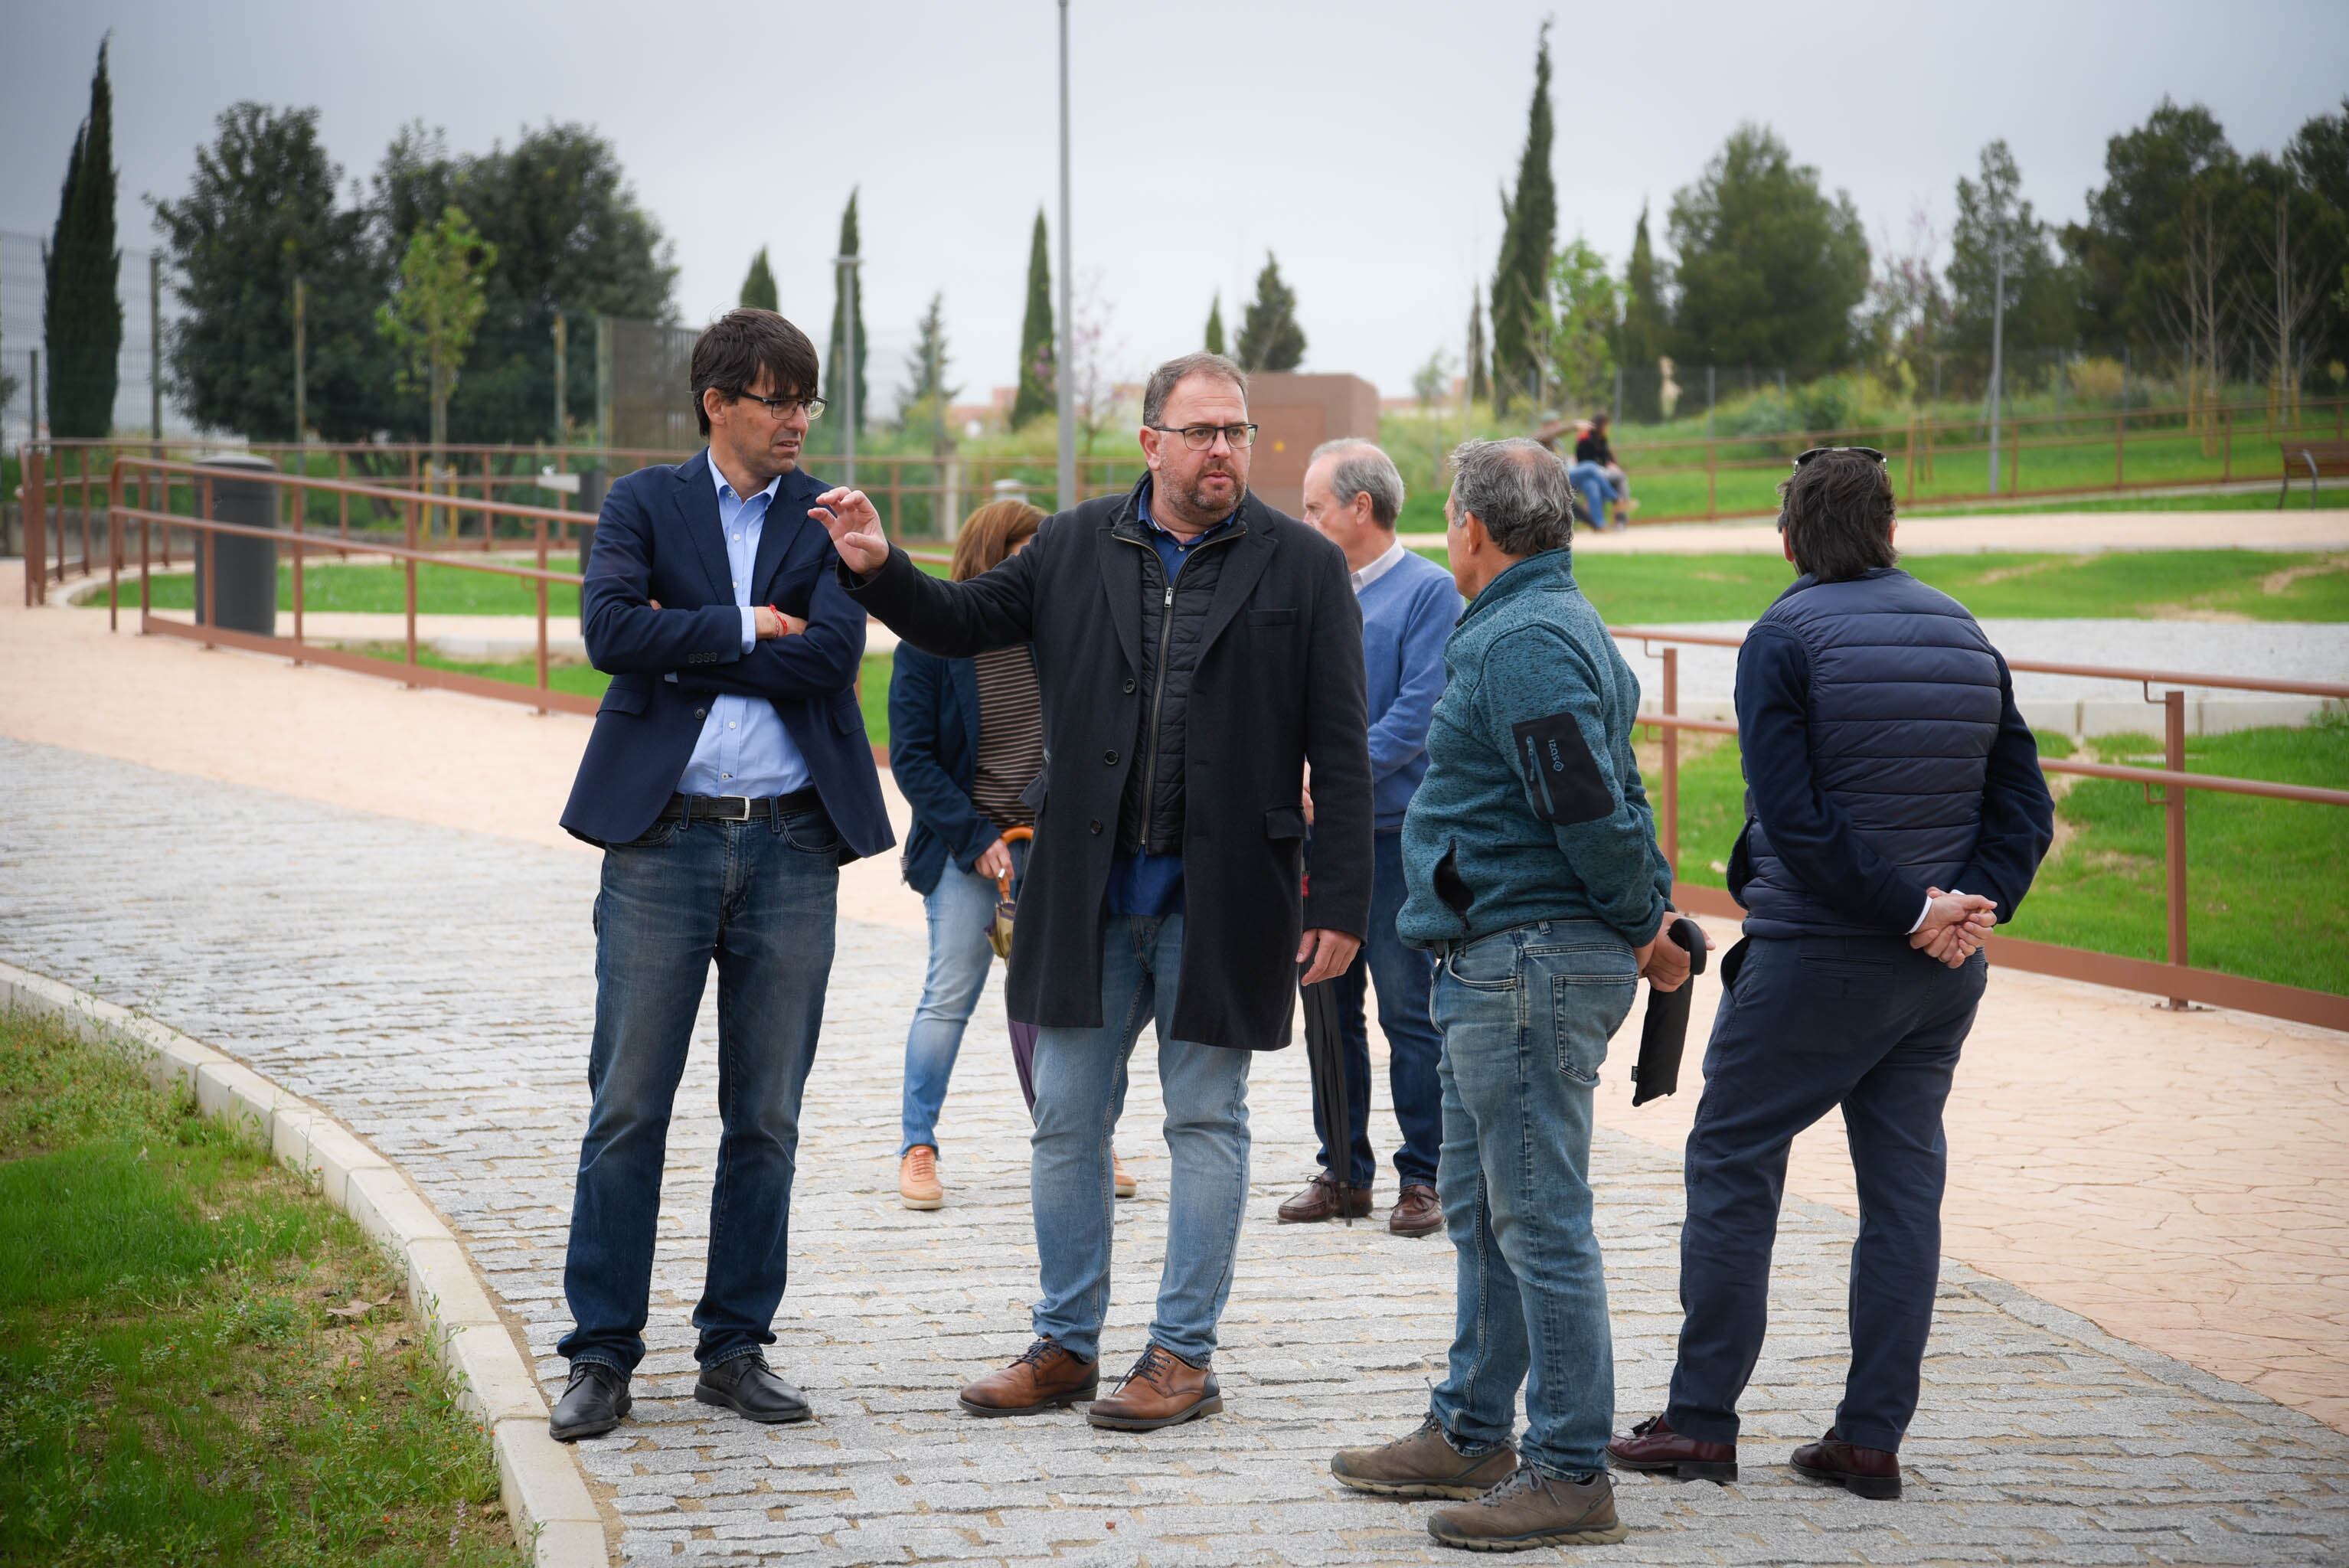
(1158, 690)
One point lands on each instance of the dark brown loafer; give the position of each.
(1653, 1446)
(1323, 1198)
(1417, 1211)
(1863, 1472)
(1045, 1378)
(1162, 1390)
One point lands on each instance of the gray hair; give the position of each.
(1175, 371)
(1518, 490)
(1362, 469)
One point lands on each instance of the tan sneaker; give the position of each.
(1121, 1179)
(1424, 1464)
(1530, 1510)
(917, 1179)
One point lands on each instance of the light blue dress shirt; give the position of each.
(744, 748)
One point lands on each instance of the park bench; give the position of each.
(2317, 460)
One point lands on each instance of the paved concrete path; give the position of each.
(432, 987)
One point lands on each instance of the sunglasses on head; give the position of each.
(1821, 451)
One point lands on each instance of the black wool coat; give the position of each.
(1278, 686)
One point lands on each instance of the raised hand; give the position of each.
(856, 528)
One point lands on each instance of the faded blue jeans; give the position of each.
(1526, 1014)
(1080, 1088)
(959, 910)
(755, 898)
(1598, 491)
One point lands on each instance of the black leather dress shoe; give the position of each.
(747, 1385)
(593, 1402)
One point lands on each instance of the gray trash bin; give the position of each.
(593, 485)
(245, 598)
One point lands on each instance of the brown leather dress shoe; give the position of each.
(1045, 1378)
(1323, 1198)
(1417, 1212)
(1162, 1390)
(1863, 1472)
(1653, 1446)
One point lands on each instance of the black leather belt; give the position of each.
(740, 807)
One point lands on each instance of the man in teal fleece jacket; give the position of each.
(1530, 857)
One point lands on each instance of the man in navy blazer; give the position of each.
(727, 779)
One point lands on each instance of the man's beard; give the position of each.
(1196, 500)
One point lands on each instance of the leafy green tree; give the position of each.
(923, 399)
(2039, 291)
(848, 304)
(1641, 339)
(436, 307)
(1586, 305)
(1215, 338)
(1271, 339)
(2318, 158)
(1528, 233)
(1480, 379)
(260, 209)
(83, 314)
(2132, 248)
(1429, 381)
(1038, 391)
(759, 284)
(1770, 269)
(572, 239)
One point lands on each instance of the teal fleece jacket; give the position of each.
(1532, 807)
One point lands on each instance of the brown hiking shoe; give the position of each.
(1045, 1378)
(1417, 1212)
(1424, 1464)
(917, 1179)
(1531, 1508)
(1323, 1198)
(1162, 1390)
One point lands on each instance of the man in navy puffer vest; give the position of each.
(1894, 810)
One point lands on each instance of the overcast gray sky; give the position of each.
(1362, 142)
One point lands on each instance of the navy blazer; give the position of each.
(658, 540)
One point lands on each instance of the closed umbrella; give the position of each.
(999, 937)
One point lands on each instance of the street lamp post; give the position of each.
(1064, 366)
(848, 264)
(1997, 351)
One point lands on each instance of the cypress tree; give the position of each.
(1038, 389)
(1528, 234)
(1271, 339)
(1215, 344)
(1642, 345)
(83, 318)
(1480, 380)
(758, 286)
(848, 304)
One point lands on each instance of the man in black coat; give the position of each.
(1197, 651)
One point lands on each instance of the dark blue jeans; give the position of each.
(1814, 1023)
(1402, 975)
(758, 899)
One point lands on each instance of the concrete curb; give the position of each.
(542, 1486)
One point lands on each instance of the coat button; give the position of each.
(1093, 827)
(1129, 686)
(1110, 757)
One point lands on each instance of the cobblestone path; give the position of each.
(433, 989)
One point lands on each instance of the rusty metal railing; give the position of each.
(2178, 981)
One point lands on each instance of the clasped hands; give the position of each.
(1954, 926)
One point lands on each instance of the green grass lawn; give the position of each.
(2262, 500)
(2255, 867)
(201, 1362)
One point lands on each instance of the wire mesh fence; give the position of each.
(34, 383)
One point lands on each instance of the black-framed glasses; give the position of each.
(1803, 458)
(784, 408)
(1199, 438)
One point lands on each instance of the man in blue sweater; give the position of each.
(1530, 855)
(1353, 494)
(1885, 762)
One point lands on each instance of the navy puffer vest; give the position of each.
(1904, 706)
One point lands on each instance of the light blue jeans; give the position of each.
(1598, 491)
(1080, 1086)
(958, 909)
(1526, 1015)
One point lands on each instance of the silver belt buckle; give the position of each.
(742, 815)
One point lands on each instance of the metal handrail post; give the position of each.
(212, 558)
(114, 550)
(411, 584)
(1671, 746)
(2173, 740)
(539, 530)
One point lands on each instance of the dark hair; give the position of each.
(988, 534)
(735, 347)
(1838, 516)
(1175, 371)
(1601, 421)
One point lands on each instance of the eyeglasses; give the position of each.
(784, 408)
(1199, 438)
(1818, 451)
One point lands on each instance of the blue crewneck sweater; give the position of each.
(1407, 614)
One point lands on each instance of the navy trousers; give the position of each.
(1809, 1025)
